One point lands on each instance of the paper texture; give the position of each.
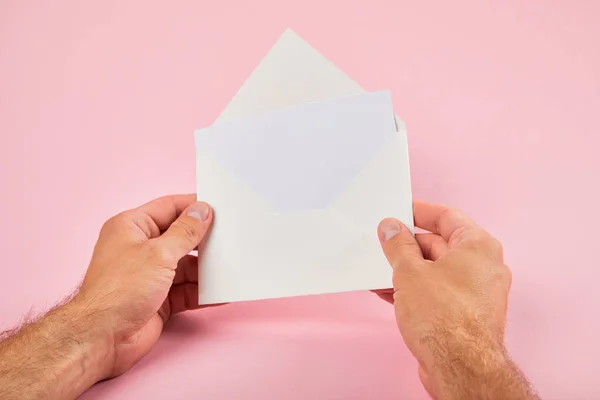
(274, 239)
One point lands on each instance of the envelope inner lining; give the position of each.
(301, 158)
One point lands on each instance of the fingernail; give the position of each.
(388, 229)
(199, 211)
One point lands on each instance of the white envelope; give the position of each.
(262, 246)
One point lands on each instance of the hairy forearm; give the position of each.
(474, 367)
(57, 357)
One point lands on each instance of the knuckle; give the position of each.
(116, 221)
(402, 246)
(404, 262)
(449, 213)
(400, 263)
(480, 236)
(188, 229)
(490, 244)
(401, 258)
(479, 240)
(497, 248)
(502, 276)
(506, 273)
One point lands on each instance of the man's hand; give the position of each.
(140, 274)
(450, 296)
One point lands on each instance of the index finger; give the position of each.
(165, 210)
(439, 219)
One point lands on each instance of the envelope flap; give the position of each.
(291, 73)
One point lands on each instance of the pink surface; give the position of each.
(98, 101)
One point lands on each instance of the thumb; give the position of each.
(399, 244)
(186, 233)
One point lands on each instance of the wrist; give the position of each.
(473, 365)
(96, 342)
(57, 357)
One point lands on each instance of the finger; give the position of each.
(187, 270)
(433, 246)
(183, 297)
(186, 233)
(440, 219)
(385, 294)
(399, 245)
(165, 210)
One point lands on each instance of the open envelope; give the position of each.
(298, 194)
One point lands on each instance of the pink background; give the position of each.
(98, 101)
